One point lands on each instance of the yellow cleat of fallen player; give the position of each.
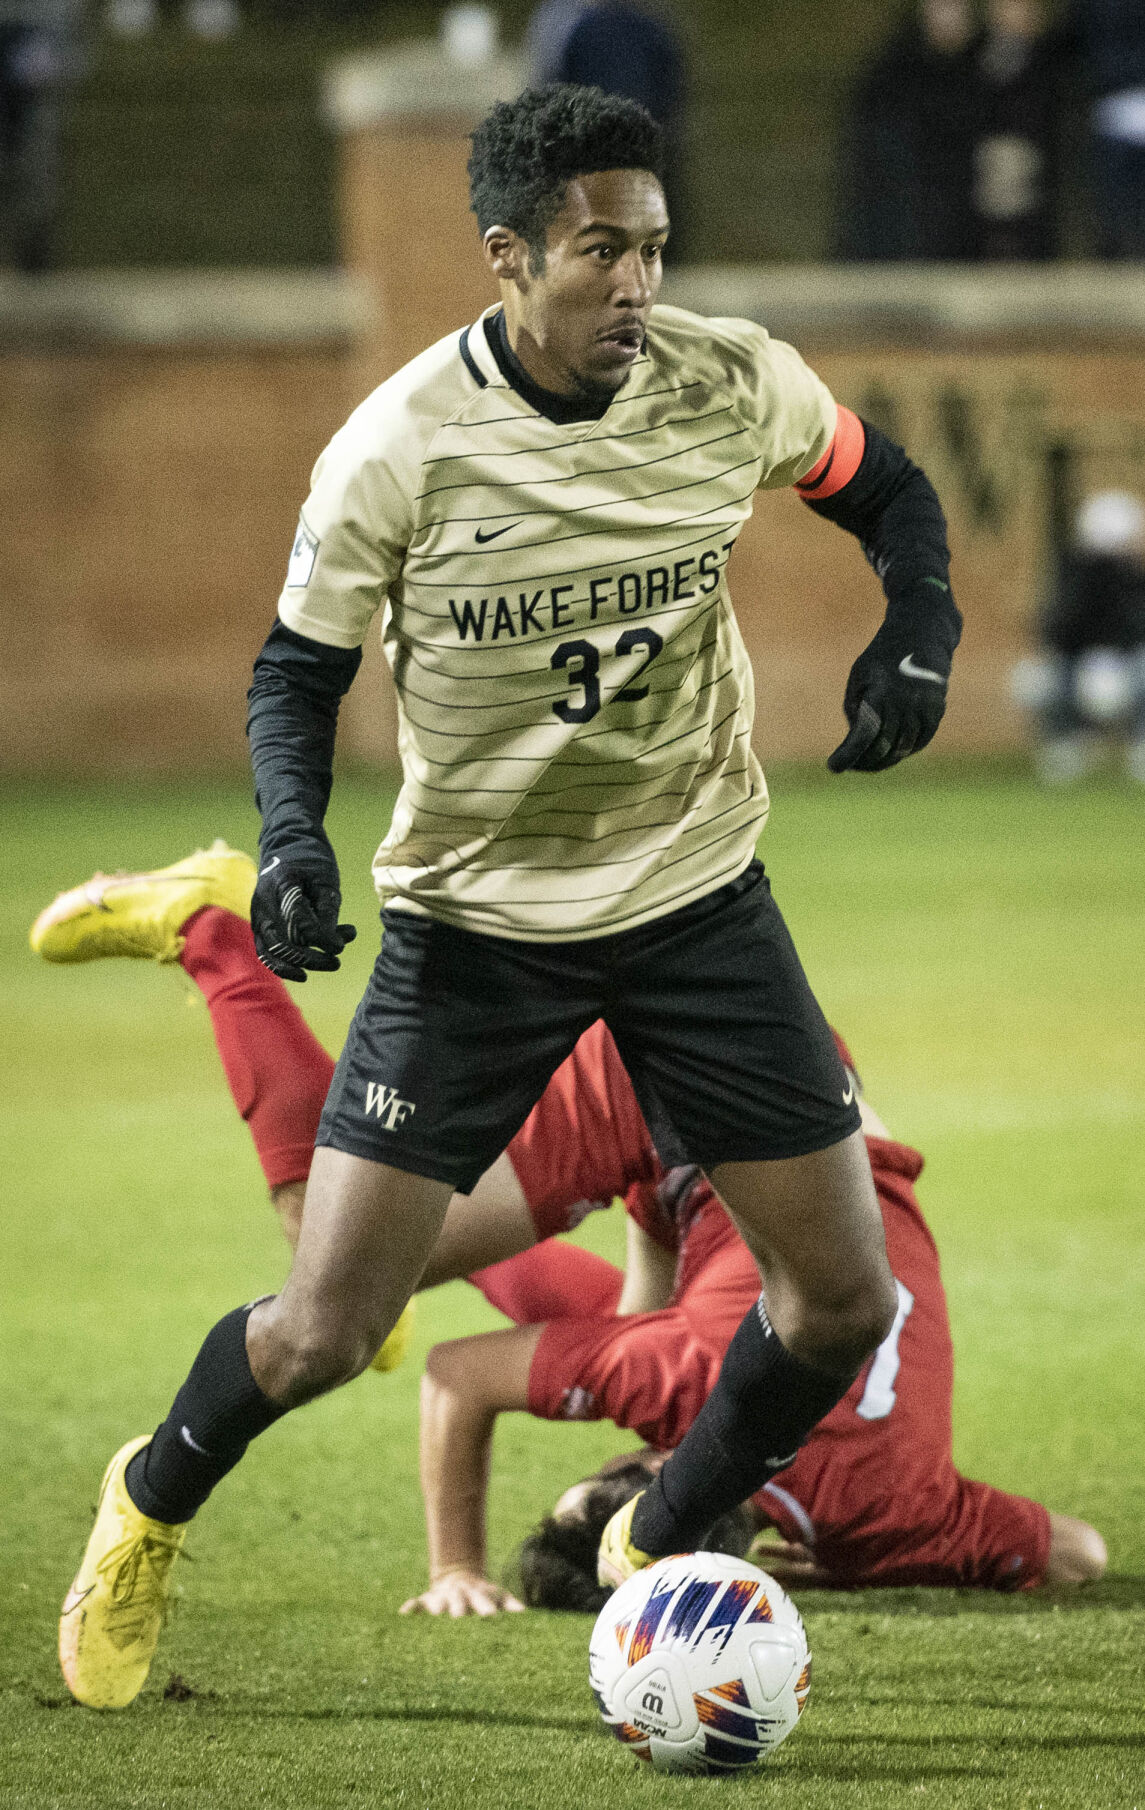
(393, 1350)
(114, 1612)
(617, 1557)
(142, 914)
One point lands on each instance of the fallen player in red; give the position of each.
(872, 1497)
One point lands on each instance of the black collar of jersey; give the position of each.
(561, 409)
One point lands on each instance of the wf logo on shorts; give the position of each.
(383, 1102)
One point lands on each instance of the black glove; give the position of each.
(294, 915)
(896, 693)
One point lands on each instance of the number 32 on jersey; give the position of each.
(582, 660)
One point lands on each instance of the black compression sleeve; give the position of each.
(893, 509)
(293, 702)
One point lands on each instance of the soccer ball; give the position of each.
(700, 1664)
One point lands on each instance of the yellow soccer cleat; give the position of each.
(114, 1612)
(617, 1557)
(142, 914)
(395, 1347)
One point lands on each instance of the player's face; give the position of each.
(579, 324)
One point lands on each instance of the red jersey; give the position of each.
(874, 1490)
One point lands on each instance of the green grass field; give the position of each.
(980, 944)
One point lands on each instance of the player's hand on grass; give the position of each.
(462, 1592)
(894, 701)
(294, 914)
(789, 1562)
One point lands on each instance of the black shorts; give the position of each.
(458, 1033)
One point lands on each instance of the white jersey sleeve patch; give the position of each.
(302, 556)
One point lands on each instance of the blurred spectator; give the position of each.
(907, 149)
(469, 33)
(1111, 37)
(1019, 107)
(1089, 684)
(548, 32)
(131, 18)
(39, 56)
(211, 20)
(624, 47)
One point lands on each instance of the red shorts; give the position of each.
(651, 1372)
(585, 1141)
(647, 1372)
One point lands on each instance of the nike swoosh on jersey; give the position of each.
(910, 671)
(270, 867)
(74, 1598)
(481, 537)
(848, 1092)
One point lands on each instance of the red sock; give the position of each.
(553, 1281)
(278, 1071)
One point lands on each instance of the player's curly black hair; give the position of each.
(556, 1566)
(527, 151)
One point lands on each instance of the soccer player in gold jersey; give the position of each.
(540, 510)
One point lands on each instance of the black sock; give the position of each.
(213, 1419)
(762, 1408)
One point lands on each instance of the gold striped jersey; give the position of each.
(575, 700)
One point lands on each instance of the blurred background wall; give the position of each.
(261, 212)
(184, 150)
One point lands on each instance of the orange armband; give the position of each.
(839, 463)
